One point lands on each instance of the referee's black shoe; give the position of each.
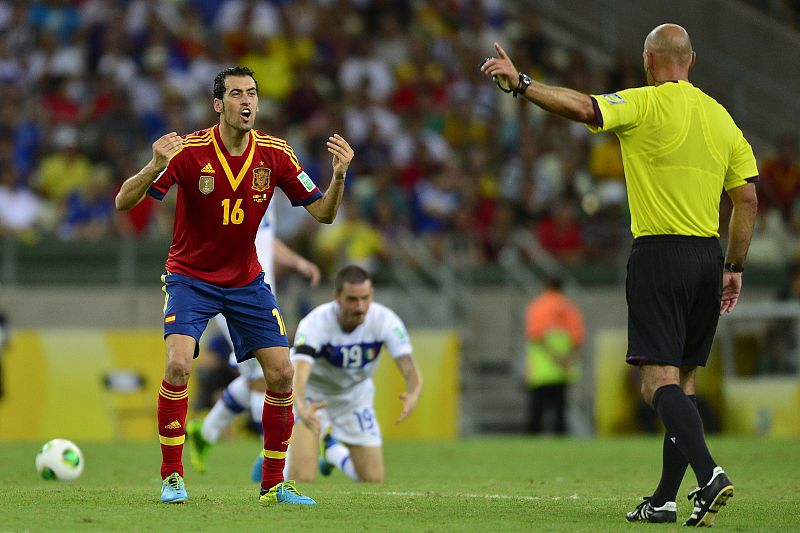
(645, 512)
(709, 499)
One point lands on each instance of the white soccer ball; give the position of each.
(59, 459)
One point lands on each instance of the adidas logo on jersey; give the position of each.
(207, 169)
(173, 425)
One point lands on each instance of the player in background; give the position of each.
(335, 354)
(226, 176)
(249, 387)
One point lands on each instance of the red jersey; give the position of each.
(221, 200)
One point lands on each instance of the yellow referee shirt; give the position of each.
(679, 149)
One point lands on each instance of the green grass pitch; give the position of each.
(470, 485)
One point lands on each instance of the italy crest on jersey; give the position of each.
(206, 184)
(261, 178)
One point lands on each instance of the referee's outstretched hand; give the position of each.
(501, 68)
(731, 287)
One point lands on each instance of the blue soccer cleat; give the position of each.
(285, 492)
(258, 468)
(172, 489)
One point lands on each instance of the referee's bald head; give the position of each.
(670, 42)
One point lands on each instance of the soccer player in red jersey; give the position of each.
(226, 176)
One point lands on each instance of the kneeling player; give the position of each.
(335, 354)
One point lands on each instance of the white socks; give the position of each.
(234, 400)
(339, 456)
(256, 405)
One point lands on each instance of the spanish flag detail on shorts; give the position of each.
(169, 319)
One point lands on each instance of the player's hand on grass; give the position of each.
(501, 68)
(164, 148)
(342, 155)
(409, 400)
(308, 414)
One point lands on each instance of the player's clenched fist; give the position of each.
(342, 155)
(164, 148)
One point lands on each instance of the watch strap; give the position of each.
(734, 267)
(524, 82)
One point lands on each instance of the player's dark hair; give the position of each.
(219, 80)
(350, 274)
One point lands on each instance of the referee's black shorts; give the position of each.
(673, 289)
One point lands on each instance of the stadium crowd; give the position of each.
(443, 157)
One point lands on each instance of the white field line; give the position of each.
(409, 494)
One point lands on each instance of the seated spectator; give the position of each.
(350, 240)
(605, 166)
(88, 211)
(64, 171)
(20, 208)
(560, 233)
(780, 178)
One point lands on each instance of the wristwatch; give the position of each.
(733, 267)
(522, 86)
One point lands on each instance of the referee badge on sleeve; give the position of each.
(613, 98)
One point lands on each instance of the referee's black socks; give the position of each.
(683, 423)
(673, 468)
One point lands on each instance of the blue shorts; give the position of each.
(254, 319)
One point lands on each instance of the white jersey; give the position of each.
(342, 360)
(265, 247)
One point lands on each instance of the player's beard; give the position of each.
(234, 121)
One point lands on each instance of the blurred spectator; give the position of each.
(88, 211)
(436, 199)
(64, 171)
(780, 178)
(57, 17)
(361, 69)
(272, 63)
(499, 231)
(20, 208)
(559, 232)
(263, 20)
(350, 240)
(605, 166)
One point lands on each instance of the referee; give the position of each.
(680, 149)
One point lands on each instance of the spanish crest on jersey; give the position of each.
(261, 178)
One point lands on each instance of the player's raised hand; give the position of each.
(308, 414)
(501, 68)
(342, 155)
(409, 400)
(164, 148)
